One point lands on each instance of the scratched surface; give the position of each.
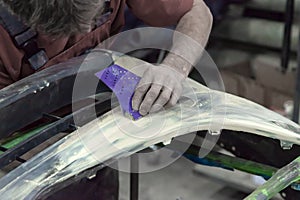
(113, 136)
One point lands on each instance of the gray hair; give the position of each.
(56, 17)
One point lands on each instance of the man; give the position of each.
(67, 28)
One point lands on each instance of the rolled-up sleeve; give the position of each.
(160, 12)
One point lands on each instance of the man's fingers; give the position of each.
(149, 99)
(163, 98)
(173, 101)
(141, 90)
(148, 96)
(175, 97)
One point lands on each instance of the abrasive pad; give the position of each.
(123, 83)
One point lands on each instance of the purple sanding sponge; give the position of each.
(123, 83)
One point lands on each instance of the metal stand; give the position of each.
(61, 124)
(297, 91)
(134, 177)
(286, 46)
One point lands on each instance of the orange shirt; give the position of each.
(153, 12)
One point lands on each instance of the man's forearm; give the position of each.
(195, 24)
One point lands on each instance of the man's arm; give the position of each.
(162, 85)
(196, 24)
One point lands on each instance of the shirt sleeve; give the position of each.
(5, 80)
(160, 12)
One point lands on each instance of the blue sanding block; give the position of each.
(123, 83)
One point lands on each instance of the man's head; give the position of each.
(56, 17)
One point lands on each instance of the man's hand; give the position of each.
(160, 86)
